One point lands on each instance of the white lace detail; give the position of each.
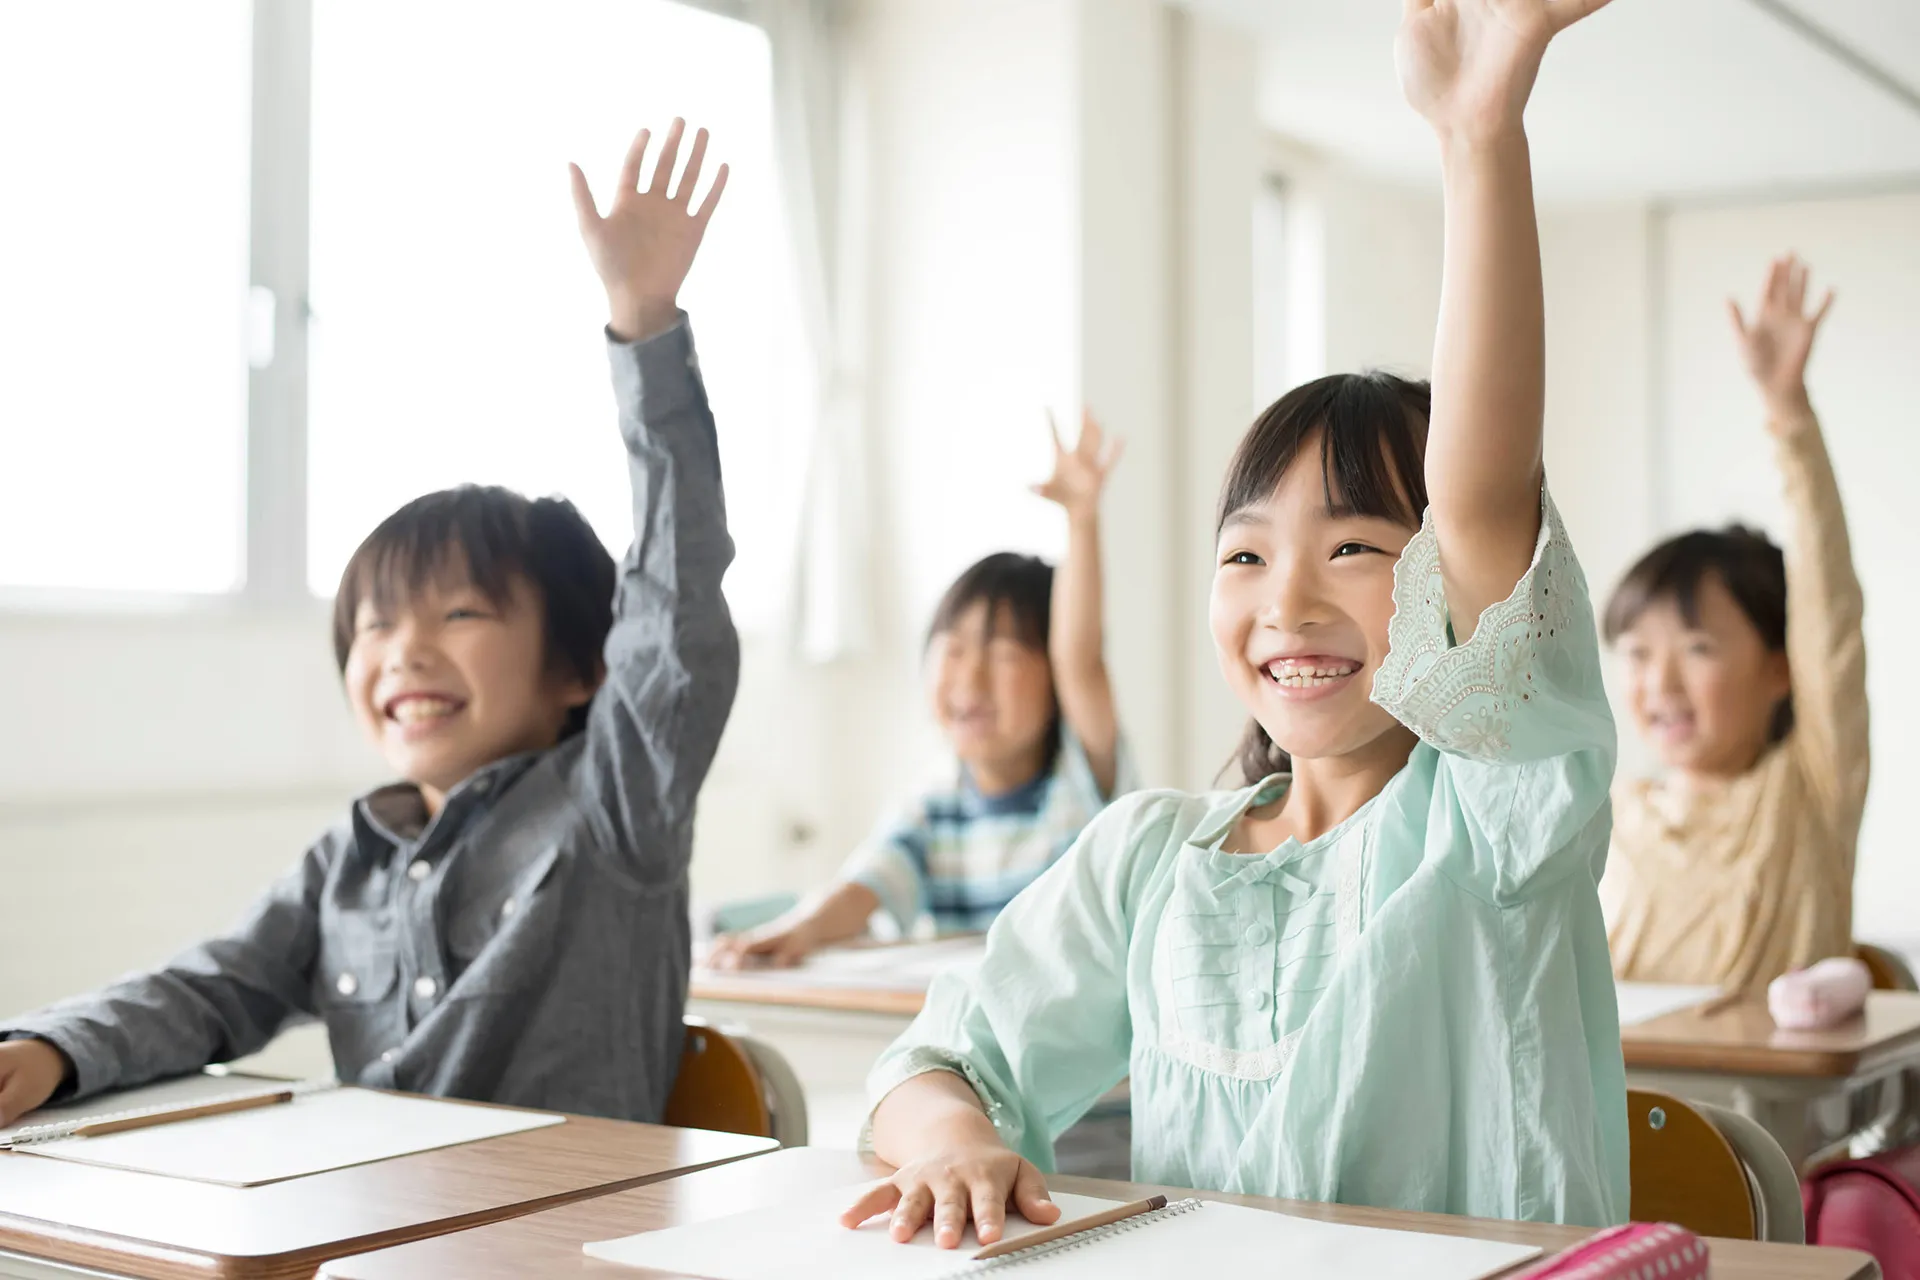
(1462, 698)
(1241, 1064)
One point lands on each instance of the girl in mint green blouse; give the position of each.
(1378, 974)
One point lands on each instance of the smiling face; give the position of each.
(1702, 693)
(1301, 600)
(992, 695)
(449, 680)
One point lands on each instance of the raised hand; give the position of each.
(1080, 473)
(1779, 339)
(645, 243)
(1468, 66)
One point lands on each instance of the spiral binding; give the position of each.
(1080, 1241)
(34, 1133)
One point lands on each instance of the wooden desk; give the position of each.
(1735, 1056)
(548, 1244)
(110, 1220)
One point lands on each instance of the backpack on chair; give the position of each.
(1872, 1205)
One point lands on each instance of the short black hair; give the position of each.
(498, 534)
(1371, 429)
(1018, 593)
(1746, 561)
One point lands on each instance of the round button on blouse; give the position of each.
(346, 984)
(1259, 935)
(1256, 999)
(425, 988)
(417, 871)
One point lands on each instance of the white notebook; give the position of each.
(324, 1127)
(1645, 1001)
(803, 1240)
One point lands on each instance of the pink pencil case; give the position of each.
(1627, 1253)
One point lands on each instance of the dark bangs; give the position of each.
(485, 535)
(1370, 430)
(1018, 593)
(1371, 433)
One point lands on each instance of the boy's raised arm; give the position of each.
(1468, 66)
(672, 657)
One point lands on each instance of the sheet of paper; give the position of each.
(910, 967)
(801, 1241)
(184, 1091)
(1645, 1001)
(311, 1134)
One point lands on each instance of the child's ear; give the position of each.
(575, 692)
(1776, 675)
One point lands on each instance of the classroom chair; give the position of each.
(1710, 1171)
(1889, 971)
(732, 1082)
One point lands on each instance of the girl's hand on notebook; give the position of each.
(1080, 473)
(970, 1178)
(645, 244)
(30, 1071)
(1779, 340)
(781, 944)
(1468, 66)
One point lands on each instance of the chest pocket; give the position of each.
(1243, 958)
(498, 935)
(359, 960)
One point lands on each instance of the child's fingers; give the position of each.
(1776, 283)
(705, 211)
(911, 1213)
(13, 1097)
(669, 152)
(630, 167)
(1114, 450)
(1825, 304)
(1567, 12)
(876, 1199)
(951, 1202)
(583, 205)
(1739, 320)
(692, 173)
(1053, 429)
(1797, 286)
(1030, 1196)
(989, 1208)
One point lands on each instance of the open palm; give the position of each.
(1079, 473)
(644, 245)
(1469, 65)
(1779, 339)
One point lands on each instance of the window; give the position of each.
(451, 319)
(456, 320)
(125, 132)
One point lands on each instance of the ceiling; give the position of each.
(1648, 98)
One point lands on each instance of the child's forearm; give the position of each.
(1483, 462)
(1077, 647)
(933, 1111)
(839, 913)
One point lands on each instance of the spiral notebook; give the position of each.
(802, 1240)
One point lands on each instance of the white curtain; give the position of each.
(817, 129)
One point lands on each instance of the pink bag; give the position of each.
(1870, 1205)
(1627, 1253)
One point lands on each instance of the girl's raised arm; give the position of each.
(1468, 66)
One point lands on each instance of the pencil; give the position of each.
(1061, 1230)
(102, 1127)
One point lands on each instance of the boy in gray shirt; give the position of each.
(509, 923)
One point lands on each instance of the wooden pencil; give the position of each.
(1061, 1230)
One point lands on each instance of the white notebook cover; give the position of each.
(803, 1240)
(312, 1134)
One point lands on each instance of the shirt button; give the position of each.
(389, 1055)
(425, 987)
(507, 908)
(1256, 999)
(482, 785)
(1257, 936)
(346, 984)
(417, 870)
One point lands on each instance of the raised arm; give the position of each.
(1826, 649)
(1469, 66)
(1076, 645)
(672, 657)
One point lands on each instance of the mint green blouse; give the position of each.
(1414, 1010)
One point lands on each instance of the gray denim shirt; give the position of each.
(530, 944)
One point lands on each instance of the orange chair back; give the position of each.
(1684, 1171)
(1888, 973)
(718, 1087)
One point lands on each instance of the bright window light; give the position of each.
(456, 332)
(124, 135)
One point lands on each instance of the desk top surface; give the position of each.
(1740, 1039)
(145, 1225)
(548, 1244)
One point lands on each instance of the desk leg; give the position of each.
(1789, 1119)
